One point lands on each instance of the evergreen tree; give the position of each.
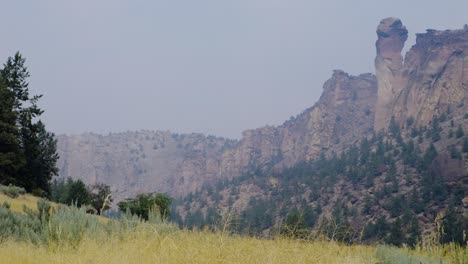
(414, 232)
(367, 205)
(144, 203)
(465, 145)
(294, 223)
(212, 218)
(27, 151)
(434, 131)
(454, 154)
(415, 202)
(396, 236)
(429, 156)
(40, 152)
(460, 132)
(453, 227)
(394, 127)
(77, 193)
(11, 158)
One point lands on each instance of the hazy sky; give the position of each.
(211, 66)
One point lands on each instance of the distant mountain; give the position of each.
(367, 146)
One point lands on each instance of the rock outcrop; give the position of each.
(432, 80)
(144, 161)
(147, 161)
(389, 68)
(436, 76)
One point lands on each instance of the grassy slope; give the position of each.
(22, 200)
(30, 201)
(151, 244)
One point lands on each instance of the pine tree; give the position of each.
(415, 202)
(454, 154)
(465, 145)
(77, 193)
(414, 232)
(394, 127)
(396, 236)
(47, 157)
(14, 96)
(35, 151)
(429, 156)
(435, 131)
(460, 132)
(453, 227)
(11, 159)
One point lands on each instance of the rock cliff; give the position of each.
(431, 80)
(147, 161)
(388, 67)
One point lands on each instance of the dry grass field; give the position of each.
(164, 243)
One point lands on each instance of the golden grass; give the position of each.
(188, 247)
(149, 243)
(27, 200)
(30, 201)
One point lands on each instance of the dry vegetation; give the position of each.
(188, 247)
(133, 241)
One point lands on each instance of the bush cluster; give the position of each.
(12, 191)
(68, 225)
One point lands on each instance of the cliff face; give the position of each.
(147, 161)
(436, 74)
(431, 80)
(343, 114)
(388, 67)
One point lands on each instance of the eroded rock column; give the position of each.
(388, 68)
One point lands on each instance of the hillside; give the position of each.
(369, 144)
(70, 235)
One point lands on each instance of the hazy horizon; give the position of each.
(212, 67)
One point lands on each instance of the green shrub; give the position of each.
(12, 191)
(19, 227)
(70, 225)
(38, 192)
(391, 255)
(6, 205)
(144, 203)
(44, 210)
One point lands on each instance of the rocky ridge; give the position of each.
(430, 80)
